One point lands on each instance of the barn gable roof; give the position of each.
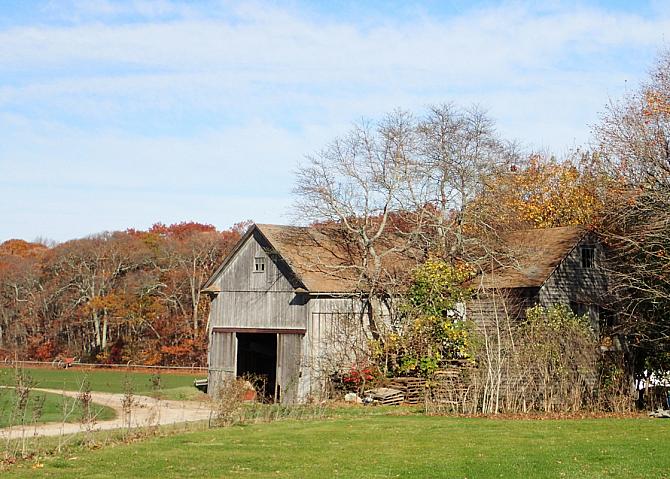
(316, 261)
(319, 261)
(533, 256)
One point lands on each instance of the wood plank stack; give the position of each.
(414, 389)
(386, 396)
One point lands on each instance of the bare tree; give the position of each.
(357, 185)
(458, 149)
(398, 191)
(407, 178)
(634, 138)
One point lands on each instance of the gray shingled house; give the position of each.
(283, 301)
(547, 267)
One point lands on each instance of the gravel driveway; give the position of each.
(145, 411)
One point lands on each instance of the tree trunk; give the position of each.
(96, 329)
(105, 327)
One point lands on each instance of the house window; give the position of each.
(259, 265)
(588, 256)
(580, 309)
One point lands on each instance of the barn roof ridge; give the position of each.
(322, 264)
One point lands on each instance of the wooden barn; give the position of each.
(286, 307)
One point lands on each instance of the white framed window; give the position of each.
(259, 264)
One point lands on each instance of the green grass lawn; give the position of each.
(44, 407)
(388, 446)
(171, 386)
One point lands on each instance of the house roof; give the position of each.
(532, 255)
(319, 260)
(323, 264)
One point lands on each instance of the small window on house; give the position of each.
(580, 309)
(259, 265)
(588, 256)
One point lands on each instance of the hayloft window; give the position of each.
(588, 256)
(259, 265)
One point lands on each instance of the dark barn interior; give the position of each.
(257, 361)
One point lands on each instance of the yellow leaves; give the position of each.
(441, 273)
(546, 193)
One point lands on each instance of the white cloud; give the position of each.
(177, 103)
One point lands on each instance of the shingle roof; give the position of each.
(323, 264)
(320, 262)
(533, 256)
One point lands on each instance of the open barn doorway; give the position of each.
(257, 361)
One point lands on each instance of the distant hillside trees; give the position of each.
(111, 297)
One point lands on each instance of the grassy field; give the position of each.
(167, 386)
(44, 407)
(410, 446)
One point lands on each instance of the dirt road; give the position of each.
(145, 411)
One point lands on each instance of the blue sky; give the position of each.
(122, 114)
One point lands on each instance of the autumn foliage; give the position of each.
(544, 192)
(112, 297)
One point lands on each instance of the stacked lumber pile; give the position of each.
(414, 389)
(386, 396)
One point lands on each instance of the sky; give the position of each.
(120, 114)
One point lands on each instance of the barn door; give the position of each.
(288, 367)
(222, 355)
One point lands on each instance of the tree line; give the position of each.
(111, 297)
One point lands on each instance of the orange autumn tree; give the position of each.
(544, 193)
(111, 297)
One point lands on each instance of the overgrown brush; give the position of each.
(547, 363)
(232, 405)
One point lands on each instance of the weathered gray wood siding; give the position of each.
(255, 300)
(337, 337)
(222, 358)
(571, 284)
(490, 310)
(248, 300)
(289, 367)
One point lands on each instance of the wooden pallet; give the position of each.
(414, 389)
(386, 396)
(449, 387)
